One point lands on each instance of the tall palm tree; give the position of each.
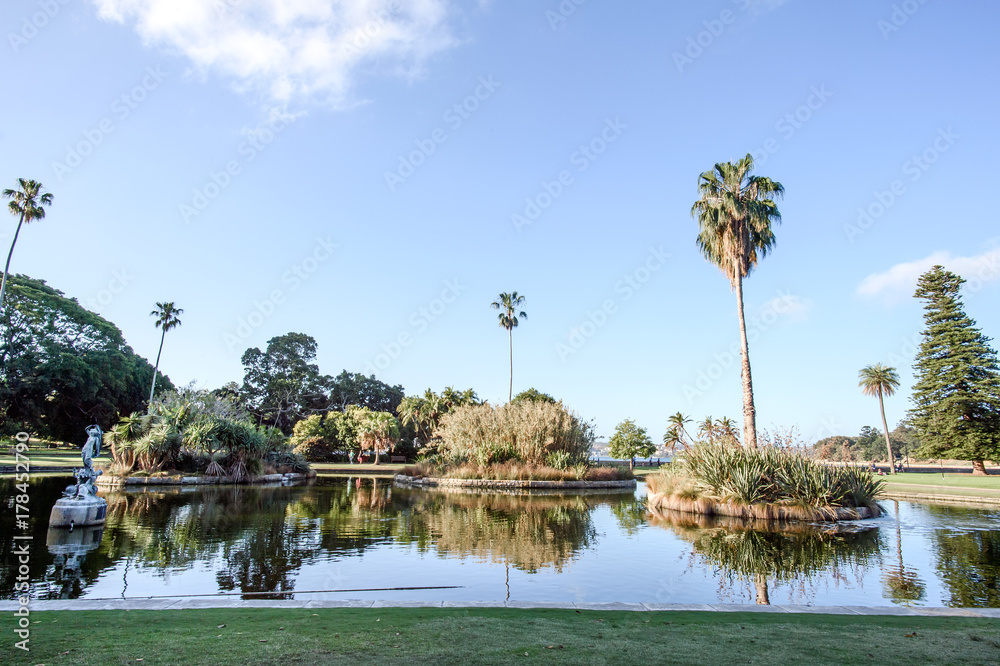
(28, 203)
(725, 428)
(707, 429)
(167, 317)
(880, 380)
(508, 317)
(676, 432)
(735, 214)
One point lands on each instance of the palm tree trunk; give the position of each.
(885, 429)
(6, 269)
(510, 388)
(760, 582)
(155, 369)
(749, 413)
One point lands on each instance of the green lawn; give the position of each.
(499, 636)
(947, 480)
(42, 457)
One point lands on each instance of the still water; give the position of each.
(368, 537)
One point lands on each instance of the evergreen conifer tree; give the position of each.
(956, 398)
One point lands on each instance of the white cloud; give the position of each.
(291, 51)
(761, 6)
(789, 306)
(899, 282)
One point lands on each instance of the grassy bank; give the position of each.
(965, 481)
(48, 458)
(499, 636)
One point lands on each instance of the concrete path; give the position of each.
(236, 602)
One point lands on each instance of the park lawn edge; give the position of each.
(222, 636)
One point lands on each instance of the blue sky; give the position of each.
(375, 173)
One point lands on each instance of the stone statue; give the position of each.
(86, 475)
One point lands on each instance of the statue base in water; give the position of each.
(78, 511)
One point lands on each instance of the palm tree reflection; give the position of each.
(760, 552)
(900, 583)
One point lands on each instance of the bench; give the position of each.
(397, 459)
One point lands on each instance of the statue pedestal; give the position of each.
(78, 512)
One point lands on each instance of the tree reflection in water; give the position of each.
(528, 531)
(256, 539)
(759, 552)
(900, 583)
(968, 558)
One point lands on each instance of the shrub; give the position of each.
(312, 448)
(608, 473)
(525, 432)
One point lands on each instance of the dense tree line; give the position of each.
(63, 367)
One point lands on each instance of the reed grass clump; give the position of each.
(710, 474)
(519, 441)
(533, 433)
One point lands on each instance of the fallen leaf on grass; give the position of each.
(913, 635)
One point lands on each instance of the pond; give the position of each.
(362, 538)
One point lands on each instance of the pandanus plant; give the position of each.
(245, 444)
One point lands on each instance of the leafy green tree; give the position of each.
(349, 388)
(735, 213)
(63, 367)
(630, 441)
(879, 380)
(28, 203)
(281, 385)
(167, 317)
(956, 398)
(508, 305)
(534, 395)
